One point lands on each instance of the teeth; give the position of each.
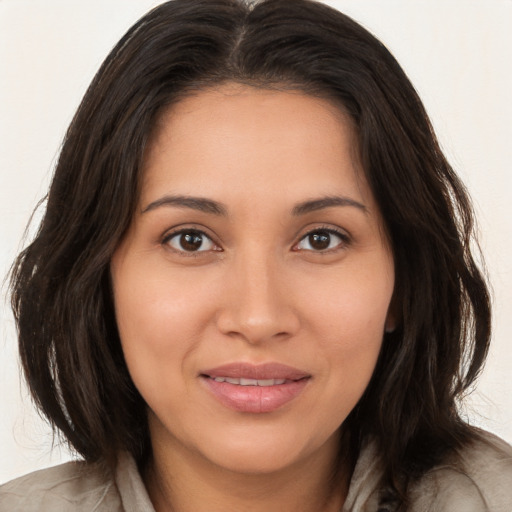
(267, 382)
(250, 382)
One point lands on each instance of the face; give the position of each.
(252, 289)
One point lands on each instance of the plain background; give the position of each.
(458, 54)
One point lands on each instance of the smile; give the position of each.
(251, 382)
(255, 389)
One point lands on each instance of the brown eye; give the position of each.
(319, 241)
(190, 241)
(322, 240)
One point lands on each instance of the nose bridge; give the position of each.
(257, 308)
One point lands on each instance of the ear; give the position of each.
(392, 316)
(390, 324)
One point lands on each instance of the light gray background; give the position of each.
(458, 54)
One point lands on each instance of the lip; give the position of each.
(252, 398)
(256, 371)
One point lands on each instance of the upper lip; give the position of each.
(256, 371)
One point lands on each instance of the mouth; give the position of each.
(255, 389)
(252, 382)
(250, 374)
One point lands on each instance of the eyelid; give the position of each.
(342, 234)
(178, 230)
(345, 238)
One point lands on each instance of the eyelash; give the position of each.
(345, 240)
(343, 236)
(194, 231)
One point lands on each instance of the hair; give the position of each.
(61, 291)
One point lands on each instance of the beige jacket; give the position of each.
(483, 485)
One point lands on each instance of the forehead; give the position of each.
(232, 135)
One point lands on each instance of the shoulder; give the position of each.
(73, 486)
(477, 478)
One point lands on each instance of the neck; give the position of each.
(180, 482)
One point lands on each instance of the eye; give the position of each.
(190, 240)
(322, 240)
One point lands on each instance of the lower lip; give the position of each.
(255, 399)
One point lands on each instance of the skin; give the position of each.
(259, 289)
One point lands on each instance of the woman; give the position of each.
(253, 287)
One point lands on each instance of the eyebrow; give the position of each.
(195, 203)
(214, 207)
(326, 202)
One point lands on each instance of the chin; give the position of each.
(255, 460)
(261, 452)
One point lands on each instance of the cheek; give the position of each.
(157, 305)
(348, 318)
(159, 318)
(348, 349)
(352, 308)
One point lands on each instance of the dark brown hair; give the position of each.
(61, 292)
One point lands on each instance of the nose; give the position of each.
(257, 306)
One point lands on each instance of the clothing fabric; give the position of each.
(479, 480)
